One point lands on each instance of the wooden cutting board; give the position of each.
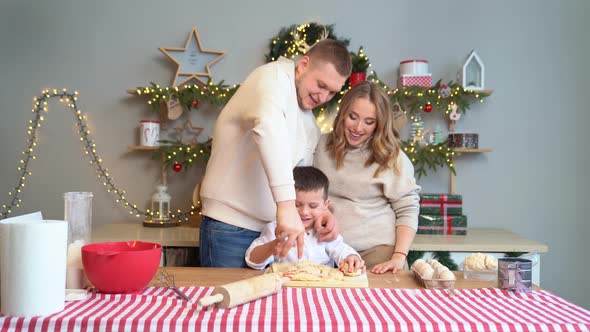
(349, 282)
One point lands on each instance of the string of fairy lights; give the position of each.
(290, 42)
(40, 109)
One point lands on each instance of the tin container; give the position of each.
(413, 67)
(515, 274)
(470, 141)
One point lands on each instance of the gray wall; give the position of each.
(535, 54)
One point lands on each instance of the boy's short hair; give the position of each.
(309, 178)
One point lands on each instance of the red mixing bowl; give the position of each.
(121, 267)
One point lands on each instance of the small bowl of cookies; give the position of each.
(433, 275)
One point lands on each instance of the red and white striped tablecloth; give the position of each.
(318, 309)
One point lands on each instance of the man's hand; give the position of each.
(290, 230)
(325, 226)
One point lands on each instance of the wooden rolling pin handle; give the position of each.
(209, 300)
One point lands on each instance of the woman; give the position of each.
(372, 185)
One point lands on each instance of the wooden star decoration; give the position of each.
(193, 61)
(188, 127)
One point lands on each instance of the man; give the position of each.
(263, 132)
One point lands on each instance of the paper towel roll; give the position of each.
(33, 267)
(25, 218)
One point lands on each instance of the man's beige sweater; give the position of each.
(368, 209)
(259, 136)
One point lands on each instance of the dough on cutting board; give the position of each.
(307, 271)
(356, 273)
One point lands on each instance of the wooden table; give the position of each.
(211, 277)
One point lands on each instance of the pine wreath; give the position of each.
(284, 43)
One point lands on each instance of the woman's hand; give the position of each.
(396, 263)
(325, 227)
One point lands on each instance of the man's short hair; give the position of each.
(309, 178)
(334, 52)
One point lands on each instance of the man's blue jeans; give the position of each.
(224, 245)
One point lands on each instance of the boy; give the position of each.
(311, 188)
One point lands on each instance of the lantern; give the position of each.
(161, 204)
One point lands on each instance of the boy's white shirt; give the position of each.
(326, 253)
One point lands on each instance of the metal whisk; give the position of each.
(167, 280)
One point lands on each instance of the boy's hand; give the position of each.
(290, 230)
(326, 227)
(352, 264)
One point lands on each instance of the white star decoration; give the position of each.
(192, 60)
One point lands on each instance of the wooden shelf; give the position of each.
(143, 148)
(470, 150)
(487, 92)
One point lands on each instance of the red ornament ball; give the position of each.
(176, 167)
(427, 108)
(195, 103)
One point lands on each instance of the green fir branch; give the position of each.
(214, 94)
(428, 157)
(184, 154)
(414, 98)
(360, 62)
(413, 255)
(444, 257)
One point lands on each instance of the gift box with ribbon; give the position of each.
(441, 204)
(444, 225)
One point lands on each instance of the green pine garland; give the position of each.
(414, 98)
(183, 154)
(215, 94)
(428, 156)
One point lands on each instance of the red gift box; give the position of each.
(419, 80)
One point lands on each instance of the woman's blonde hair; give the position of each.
(384, 144)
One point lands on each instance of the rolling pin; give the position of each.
(233, 294)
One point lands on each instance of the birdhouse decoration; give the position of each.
(472, 73)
